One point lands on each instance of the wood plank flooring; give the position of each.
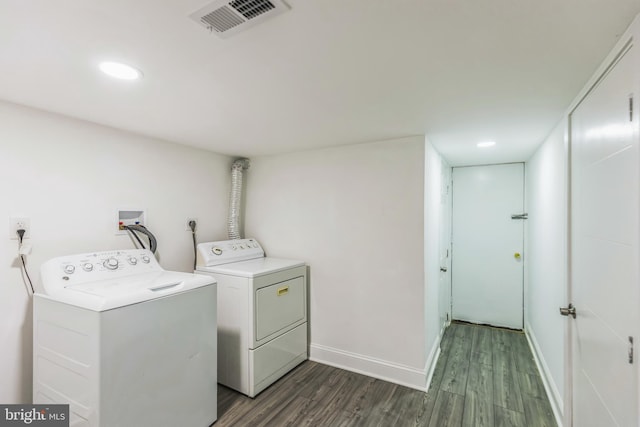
(484, 377)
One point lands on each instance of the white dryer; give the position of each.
(124, 342)
(262, 313)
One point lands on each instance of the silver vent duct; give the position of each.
(235, 198)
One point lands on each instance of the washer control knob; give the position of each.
(87, 266)
(111, 263)
(69, 269)
(216, 250)
(132, 260)
(146, 259)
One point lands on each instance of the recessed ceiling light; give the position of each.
(486, 144)
(119, 70)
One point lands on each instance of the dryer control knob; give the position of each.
(146, 259)
(216, 250)
(132, 260)
(69, 269)
(111, 264)
(87, 266)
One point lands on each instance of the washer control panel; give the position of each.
(95, 266)
(227, 251)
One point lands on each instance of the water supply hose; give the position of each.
(153, 243)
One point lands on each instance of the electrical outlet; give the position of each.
(19, 223)
(187, 228)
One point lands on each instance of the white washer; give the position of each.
(124, 342)
(262, 313)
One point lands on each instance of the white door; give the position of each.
(604, 251)
(487, 264)
(445, 245)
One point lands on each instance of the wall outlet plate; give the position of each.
(17, 223)
(186, 223)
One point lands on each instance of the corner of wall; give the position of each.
(555, 397)
(546, 281)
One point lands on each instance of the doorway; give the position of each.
(604, 249)
(444, 291)
(487, 244)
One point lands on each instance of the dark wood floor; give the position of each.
(484, 377)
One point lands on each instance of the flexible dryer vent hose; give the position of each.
(235, 198)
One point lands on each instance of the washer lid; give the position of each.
(254, 267)
(113, 293)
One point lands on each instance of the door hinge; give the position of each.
(631, 350)
(568, 311)
(631, 107)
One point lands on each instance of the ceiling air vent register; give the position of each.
(226, 18)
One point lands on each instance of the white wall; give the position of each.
(69, 177)
(355, 215)
(546, 200)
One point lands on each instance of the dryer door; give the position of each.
(279, 307)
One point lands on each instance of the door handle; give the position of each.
(568, 311)
(443, 269)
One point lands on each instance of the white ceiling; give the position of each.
(326, 73)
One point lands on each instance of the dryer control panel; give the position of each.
(227, 251)
(63, 271)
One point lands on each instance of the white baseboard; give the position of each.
(432, 360)
(388, 371)
(556, 400)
